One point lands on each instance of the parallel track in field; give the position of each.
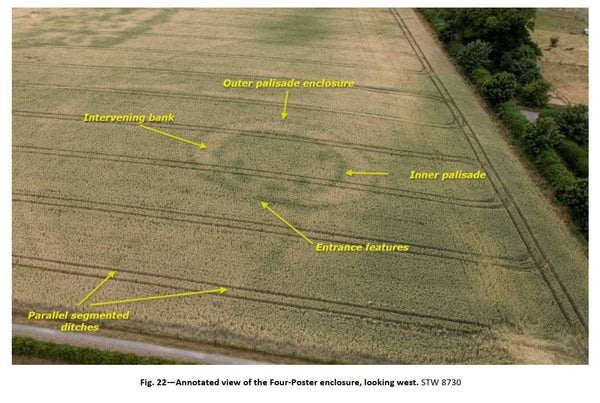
(220, 75)
(504, 197)
(213, 54)
(549, 275)
(289, 300)
(259, 173)
(232, 38)
(273, 135)
(230, 100)
(260, 227)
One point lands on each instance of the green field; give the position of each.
(493, 274)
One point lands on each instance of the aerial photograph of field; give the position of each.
(295, 186)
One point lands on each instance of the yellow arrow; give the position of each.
(351, 172)
(220, 290)
(265, 205)
(201, 145)
(284, 113)
(111, 274)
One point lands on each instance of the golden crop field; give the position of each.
(492, 274)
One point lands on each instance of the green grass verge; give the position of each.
(575, 156)
(79, 355)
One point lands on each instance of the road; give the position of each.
(126, 346)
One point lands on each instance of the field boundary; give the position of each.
(125, 346)
(541, 260)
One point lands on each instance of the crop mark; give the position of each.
(357, 87)
(240, 39)
(234, 100)
(261, 227)
(274, 135)
(345, 32)
(218, 55)
(259, 173)
(294, 301)
(271, 13)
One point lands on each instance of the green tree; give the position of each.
(543, 134)
(500, 88)
(522, 62)
(573, 123)
(576, 198)
(480, 77)
(512, 117)
(474, 55)
(536, 93)
(504, 28)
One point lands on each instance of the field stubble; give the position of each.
(89, 197)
